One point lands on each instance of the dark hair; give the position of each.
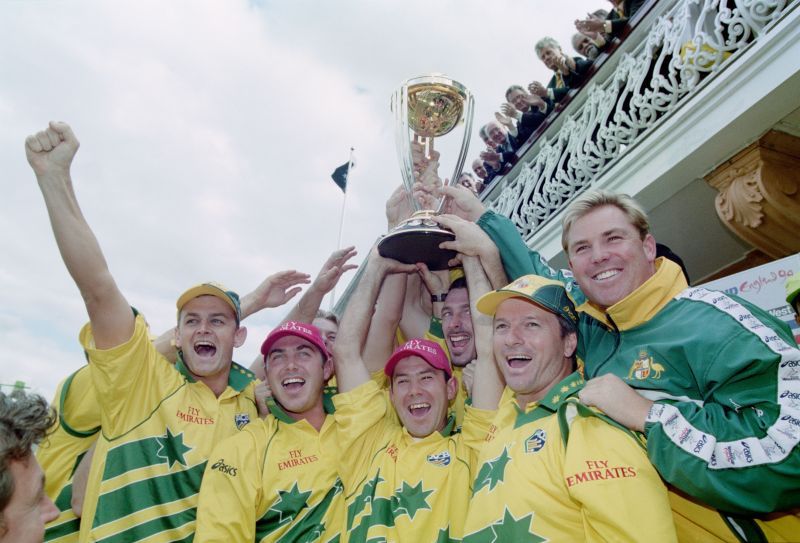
(24, 422)
(461, 282)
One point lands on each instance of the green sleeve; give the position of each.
(518, 259)
(736, 449)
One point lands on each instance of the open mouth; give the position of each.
(459, 341)
(293, 383)
(205, 348)
(515, 361)
(419, 409)
(608, 274)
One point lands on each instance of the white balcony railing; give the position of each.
(676, 49)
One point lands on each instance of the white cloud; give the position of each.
(209, 130)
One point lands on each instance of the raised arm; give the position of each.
(350, 368)
(50, 153)
(487, 382)
(472, 241)
(332, 270)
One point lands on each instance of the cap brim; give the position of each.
(489, 302)
(205, 290)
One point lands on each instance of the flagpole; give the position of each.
(341, 224)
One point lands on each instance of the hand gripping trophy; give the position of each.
(433, 116)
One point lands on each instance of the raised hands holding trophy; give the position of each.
(433, 121)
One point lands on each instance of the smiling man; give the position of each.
(715, 376)
(549, 466)
(159, 421)
(277, 479)
(407, 471)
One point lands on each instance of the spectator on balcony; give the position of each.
(482, 172)
(501, 147)
(528, 109)
(468, 181)
(586, 45)
(568, 73)
(616, 20)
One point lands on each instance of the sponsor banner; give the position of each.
(764, 286)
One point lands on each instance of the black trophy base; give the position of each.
(410, 245)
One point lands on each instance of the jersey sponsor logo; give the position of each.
(536, 441)
(788, 394)
(192, 415)
(296, 459)
(440, 459)
(599, 470)
(222, 467)
(241, 420)
(644, 366)
(392, 451)
(790, 363)
(684, 436)
(700, 443)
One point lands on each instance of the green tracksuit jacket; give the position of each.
(724, 374)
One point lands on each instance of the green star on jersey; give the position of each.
(508, 529)
(171, 448)
(290, 503)
(492, 472)
(410, 499)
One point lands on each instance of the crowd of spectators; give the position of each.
(526, 108)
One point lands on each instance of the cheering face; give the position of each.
(496, 134)
(551, 56)
(608, 256)
(480, 169)
(529, 349)
(457, 327)
(207, 334)
(517, 99)
(421, 396)
(296, 373)
(29, 508)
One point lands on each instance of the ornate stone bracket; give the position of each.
(759, 194)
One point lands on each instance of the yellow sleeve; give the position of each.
(129, 379)
(361, 420)
(78, 406)
(621, 496)
(230, 491)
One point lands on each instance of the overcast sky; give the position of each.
(209, 130)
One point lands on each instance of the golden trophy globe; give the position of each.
(433, 123)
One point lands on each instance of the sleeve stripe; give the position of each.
(784, 434)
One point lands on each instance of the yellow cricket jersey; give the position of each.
(73, 433)
(158, 428)
(276, 480)
(554, 472)
(698, 523)
(397, 487)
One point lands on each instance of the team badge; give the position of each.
(643, 366)
(241, 420)
(536, 441)
(441, 459)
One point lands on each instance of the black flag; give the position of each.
(339, 176)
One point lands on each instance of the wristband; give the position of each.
(438, 297)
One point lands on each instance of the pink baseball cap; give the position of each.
(430, 351)
(303, 330)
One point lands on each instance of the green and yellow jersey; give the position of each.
(159, 426)
(557, 471)
(277, 480)
(397, 487)
(73, 433)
